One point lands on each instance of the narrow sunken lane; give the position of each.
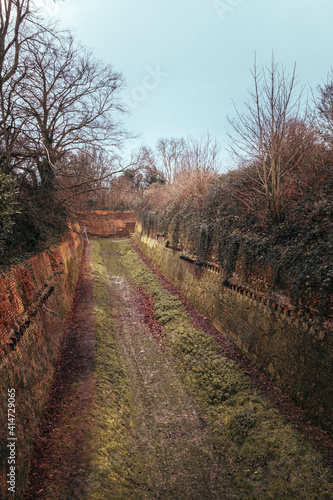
(132, 416)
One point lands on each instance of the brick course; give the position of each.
(106, 224)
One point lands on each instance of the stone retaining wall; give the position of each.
(294, 350)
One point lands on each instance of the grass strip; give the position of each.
(116, 468)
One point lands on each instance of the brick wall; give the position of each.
(35, 298)
(107, 224)
(294, 350)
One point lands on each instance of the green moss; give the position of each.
(115, 468)
(267, 457)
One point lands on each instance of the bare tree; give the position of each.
(14, 16)
(201, 155)
(199, 164)
(70, 100)
(146, 160)
(84, 175)
(58, 104)
(259, 136)
(12, 122)
(176, 160)
(324, 104)
(170, 152)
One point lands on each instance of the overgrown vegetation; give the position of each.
(8, 208)
(272, 216)
(294, 255)
(264, 456)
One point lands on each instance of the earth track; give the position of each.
(175, 444)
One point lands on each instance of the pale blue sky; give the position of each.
(184, 61)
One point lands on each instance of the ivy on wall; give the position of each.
(293, 256)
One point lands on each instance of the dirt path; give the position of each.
(175, 445)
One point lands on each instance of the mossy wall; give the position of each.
(35, 298)
(295, 353)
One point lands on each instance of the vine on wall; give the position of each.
(293, 257)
